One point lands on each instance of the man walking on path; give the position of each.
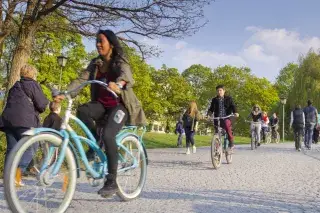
(298, 123)
(311, 119)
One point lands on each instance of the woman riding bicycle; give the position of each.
(111, 66)
(256, 117)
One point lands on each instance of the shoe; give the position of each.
(188, 151)
(259, 144)
(31, 172)
(179, 146)
(18, 180)
(194, 149)
(109, 188)
(299, 149)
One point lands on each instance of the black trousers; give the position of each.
(13, 136)
(298, 134)
(95, 111)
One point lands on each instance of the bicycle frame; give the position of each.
(221, 131)
(68, 133)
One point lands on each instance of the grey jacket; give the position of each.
(129, 99)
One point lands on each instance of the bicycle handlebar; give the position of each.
(228, 116)
(105, 85)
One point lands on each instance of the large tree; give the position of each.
(285, 79)
(171, 92)
(129, 18)
(197, 75)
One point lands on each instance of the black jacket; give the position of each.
(53, 120)
(229, 106)
(298, 118)
(24, 104)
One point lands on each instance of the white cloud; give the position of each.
(266, 51)
(181, 44)
(191, 56)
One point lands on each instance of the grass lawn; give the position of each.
(162, 140)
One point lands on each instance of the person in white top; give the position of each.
(264, 125)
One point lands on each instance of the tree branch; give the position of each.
(51, 9)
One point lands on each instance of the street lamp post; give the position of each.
(283, 101)
(62, 60)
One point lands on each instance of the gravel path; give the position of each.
(274, 178)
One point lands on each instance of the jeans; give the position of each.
(264, 132)
(227, 125)
(298, 134)
(179, 139)
(256, 127)
(13, 135)
(308, 135)
(189, 136)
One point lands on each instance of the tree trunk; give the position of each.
(21, 53)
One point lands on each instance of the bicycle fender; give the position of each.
(36, 131)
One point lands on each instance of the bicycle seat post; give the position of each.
(67, 113)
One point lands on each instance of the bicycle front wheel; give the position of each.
(131, 179)
(216, 152)
(253, 139)
(40, 192)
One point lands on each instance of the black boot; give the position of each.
(110, 187)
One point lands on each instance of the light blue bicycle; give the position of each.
(57, 156)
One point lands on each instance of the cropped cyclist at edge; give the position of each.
(111, 67)
(222, 106)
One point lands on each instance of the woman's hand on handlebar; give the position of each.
(236, 115)
(114, 87)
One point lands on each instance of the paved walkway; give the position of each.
(274, 178)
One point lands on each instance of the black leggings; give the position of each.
(95, 111)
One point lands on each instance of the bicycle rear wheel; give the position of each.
(132, 180)
(278, 138)
(268, 138)
(216, 152)
(46, 193)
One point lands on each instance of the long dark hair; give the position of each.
(118, 56)
(117, 51)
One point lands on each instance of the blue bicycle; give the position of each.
(56, 165)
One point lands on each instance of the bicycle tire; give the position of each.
(216, 152)
(253, 138)
(143, 174)
(13, 160)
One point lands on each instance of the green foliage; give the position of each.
(197, 75)
(285, 79)
(306, 81)
(172, 92)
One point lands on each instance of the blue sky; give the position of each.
(261, 34)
